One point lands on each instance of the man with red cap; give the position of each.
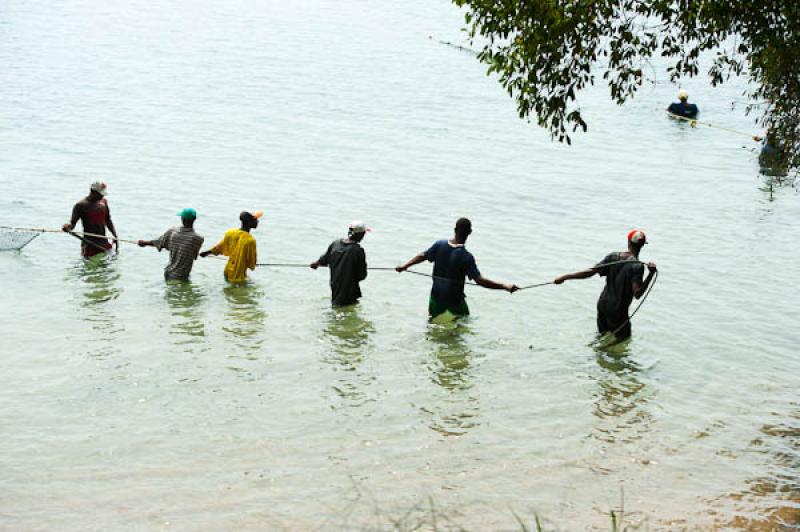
(623, 272)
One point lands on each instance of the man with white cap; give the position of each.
(94, 215)
(348, 265)
(623, 272)
(683, 107)
(183, 245)
(240, 248)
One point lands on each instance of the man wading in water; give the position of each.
(451, 264)
(623, 272)
(183, 245)
(348, 264)
(94, 215)
(240, 248)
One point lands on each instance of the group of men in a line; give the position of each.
(347, 262)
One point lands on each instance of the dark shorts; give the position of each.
(435, 308)
(88, 250)
(620, 326)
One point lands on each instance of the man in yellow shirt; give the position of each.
(240, 248)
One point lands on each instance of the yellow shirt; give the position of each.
(240, 248)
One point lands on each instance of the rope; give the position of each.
(456, 46)
(644, 298)
(423, 274)
(694, 122)
(89, 242)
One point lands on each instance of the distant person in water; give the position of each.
(348, 264)
(773, 154)
(683, 107)
(240, 248)
(183, 245)
(94, 215)
(623, 272)
(451, 264)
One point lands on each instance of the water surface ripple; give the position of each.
(132, 403)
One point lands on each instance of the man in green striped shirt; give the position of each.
(183, 245)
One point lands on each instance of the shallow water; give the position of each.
(132, 403)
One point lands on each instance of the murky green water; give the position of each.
(130, 403)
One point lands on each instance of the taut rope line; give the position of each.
(694, 121)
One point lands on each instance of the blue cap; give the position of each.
(189, 214)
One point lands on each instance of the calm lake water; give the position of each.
(128, 403)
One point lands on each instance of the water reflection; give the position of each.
(621, 397)
(771, 501)
(244, 320)
(348, 334)
(98, 279)
(184, 300)
(450, 368)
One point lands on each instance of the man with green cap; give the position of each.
(183, 245)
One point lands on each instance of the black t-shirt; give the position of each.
(618, 292)
(348, 265)
(686, 110)
(451, 264)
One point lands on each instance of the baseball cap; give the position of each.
(637, 237)
(683, 94)
(357, 226)
(188, 213)
(100, 187)
(253, 214)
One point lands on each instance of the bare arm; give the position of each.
(639, 289)
(583, 274)
(76, 214)
(419, 257)
(493, 285)
(213, 251)
(110, 225)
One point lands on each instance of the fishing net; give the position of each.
(14, 240)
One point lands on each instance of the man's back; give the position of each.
(618, 291)
(183, 244)
(451, 264)
(684, 109)
(348, 265)
(240, 248)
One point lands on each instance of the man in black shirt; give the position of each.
(348, 264)
(452, 264)
(683, 108)
(623, 272)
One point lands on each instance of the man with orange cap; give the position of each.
(623, 272)
(240, 248)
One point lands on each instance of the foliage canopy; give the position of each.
(545, 51)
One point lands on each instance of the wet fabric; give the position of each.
(451, 264)
(348, 265)
(612, 307)
(686, 110)
(240, 248)
(435, 308)
(89, 251)
(183, 244)
(93, 216)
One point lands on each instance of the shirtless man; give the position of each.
(94, 215)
